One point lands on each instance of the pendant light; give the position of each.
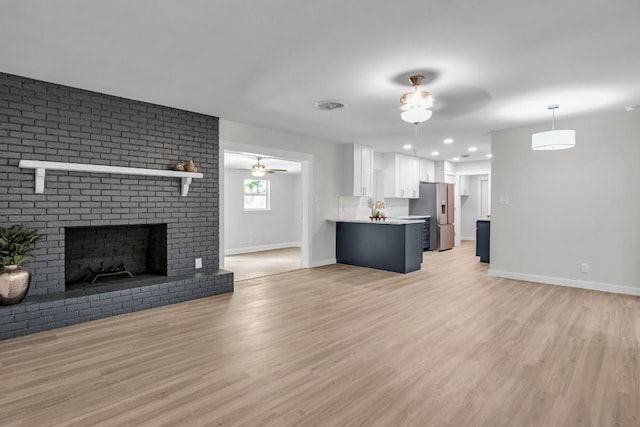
(553, 139)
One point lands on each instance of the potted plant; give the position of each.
(16, 245)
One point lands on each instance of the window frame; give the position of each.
(266, 195)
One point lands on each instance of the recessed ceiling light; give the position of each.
(407, 146)
(448, 141)
(632, 108)
(489, 155)
(435, 153)
(472, 149)
(455, 159)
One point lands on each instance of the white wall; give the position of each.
(249, 231)
(326, 178)
(569, 207)
(480, 167)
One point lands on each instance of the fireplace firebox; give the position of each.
(114, 253)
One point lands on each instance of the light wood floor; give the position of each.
(341, 345)
(263, 263)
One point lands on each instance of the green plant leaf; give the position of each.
(17, 243)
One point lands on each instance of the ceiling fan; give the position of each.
(260, 169)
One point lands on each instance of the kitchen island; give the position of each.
(392, 245)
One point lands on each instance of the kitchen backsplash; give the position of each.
(359, 207)
(397, 207)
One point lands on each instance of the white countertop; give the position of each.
(411, 217)
(389, 221)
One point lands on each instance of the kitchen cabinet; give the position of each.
(358, 170)
(413, 183)
(401, 176)
(392, 246)
(464, 185)
(483, 238)
(426, 171)
(426, 234)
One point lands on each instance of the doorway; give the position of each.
(474, 205)
(269, 237)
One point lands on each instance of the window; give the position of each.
(256, 195)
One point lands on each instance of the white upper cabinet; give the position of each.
(358, 170)
(413, 184)
(401, 176)
(426, 170)
(464, 185)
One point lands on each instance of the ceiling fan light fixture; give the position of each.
(416, 116)
(415, 105)
(258, 169)
(553, 139)
(417, 99)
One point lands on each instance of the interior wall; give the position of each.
(326, 178)
(250, 231)
(552, 211)
(480, 167)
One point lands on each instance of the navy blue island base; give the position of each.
(392, 246)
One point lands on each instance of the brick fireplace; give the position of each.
(49, 122)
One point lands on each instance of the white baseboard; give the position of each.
(594, 286)
(468, 238)
(322, 262)
(262, 248)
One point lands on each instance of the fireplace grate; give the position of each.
(101, 273)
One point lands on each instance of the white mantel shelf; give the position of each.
(41, 167)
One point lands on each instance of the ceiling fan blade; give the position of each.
(275, 170)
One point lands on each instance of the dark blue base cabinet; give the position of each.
(483, 238)
(391, 247)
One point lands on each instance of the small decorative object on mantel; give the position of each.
(191, 167)
(378, 212)
(16, 245)
(179, 167)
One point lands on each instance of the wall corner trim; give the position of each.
(559, 281)
(322, 262)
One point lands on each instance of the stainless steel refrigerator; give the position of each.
(436, 199)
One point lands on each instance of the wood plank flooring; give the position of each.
(264, 263)
(342, 346)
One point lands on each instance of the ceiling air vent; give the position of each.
(464, 156)
(329, 105)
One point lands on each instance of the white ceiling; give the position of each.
(235, 160)
(491, 64)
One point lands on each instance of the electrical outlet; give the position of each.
(198, 262)
(584, 267)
